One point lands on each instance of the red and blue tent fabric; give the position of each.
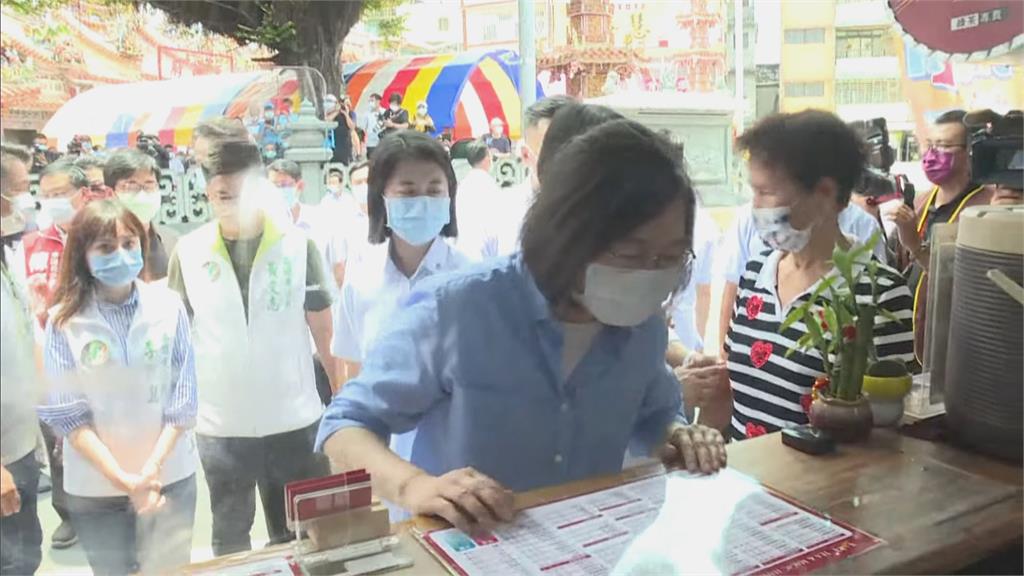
(463, 91)
(113, 115)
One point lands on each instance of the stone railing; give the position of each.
(184, 204)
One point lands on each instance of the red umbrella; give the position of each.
(973, 30)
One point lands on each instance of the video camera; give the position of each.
(877, 183)
(150, 145)
(997, 148)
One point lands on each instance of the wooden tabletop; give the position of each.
(938, 508)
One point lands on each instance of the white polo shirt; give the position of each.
(741, 242)
(480, 205)
(373, 288)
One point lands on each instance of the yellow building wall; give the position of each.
(808, 62)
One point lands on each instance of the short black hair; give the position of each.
(808, 146)
(395, 98)
(951, 117)
(375, 95)
(398, 147)
(232, 157)
(66, 166)
(572, 120)
(12, 153)
(221, 129)
(357, 166)
(122, 164)
(476, 152)
(606, 183)
(285, 166)
(546, 108)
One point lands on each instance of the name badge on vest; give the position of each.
(94, 354)
(212, 270)
(279, 296)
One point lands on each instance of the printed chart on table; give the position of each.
(676, 522)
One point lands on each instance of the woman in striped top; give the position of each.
(119, 353)
(802, 170)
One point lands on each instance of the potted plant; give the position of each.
(841, 328)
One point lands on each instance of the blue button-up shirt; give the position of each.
(472, 361)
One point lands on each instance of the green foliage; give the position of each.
(270, 32)
(29, 7)
(839, 327)
(382, 15)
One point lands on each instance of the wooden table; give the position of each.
(938, 508)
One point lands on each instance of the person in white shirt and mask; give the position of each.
(482, 205)
(412, 214)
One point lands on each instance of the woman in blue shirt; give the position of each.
(543, 367)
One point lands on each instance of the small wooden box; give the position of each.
(349, 527)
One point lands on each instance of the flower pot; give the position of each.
(845, 420)
(886, 385)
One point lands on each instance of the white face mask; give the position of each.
(773, 226)
(626, 297)
(26, 205)
(395, 107)
(57, 211)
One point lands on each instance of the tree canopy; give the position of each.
(299, 32)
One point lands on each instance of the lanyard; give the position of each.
(921, 228)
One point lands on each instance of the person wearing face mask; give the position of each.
(63, 190)
(577, 317)
(947, 165)
(802, 170)
(371, 122)
(257, 292)
(350, 239)
(341, 138)
(423, 122)
(395, 118)
(21, 536)
(412, 210)
(123, 395)
(135, 179)
(741, 242)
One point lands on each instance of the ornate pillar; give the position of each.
(305, 141)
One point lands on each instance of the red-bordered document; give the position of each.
(669, 523)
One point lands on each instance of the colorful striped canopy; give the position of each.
(113, 115)
(463, 91)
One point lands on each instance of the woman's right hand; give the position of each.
(144, 492)
(471, 501)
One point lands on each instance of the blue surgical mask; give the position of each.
(117, 268)
(418, 219)
(290, 195)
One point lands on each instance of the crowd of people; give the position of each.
(456, 340)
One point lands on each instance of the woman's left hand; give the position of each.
(696, 448)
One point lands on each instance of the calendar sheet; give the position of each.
(670, 523)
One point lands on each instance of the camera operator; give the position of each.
(947, 165)
(997, 153)
(150, 145)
